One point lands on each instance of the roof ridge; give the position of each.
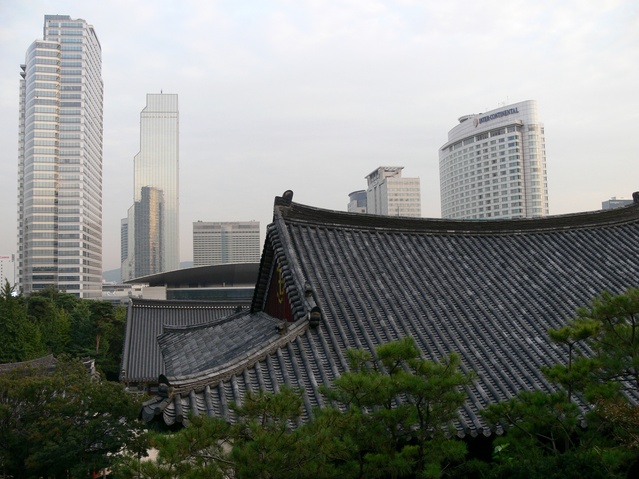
(186, 328)
(309, 215)
(179, 303)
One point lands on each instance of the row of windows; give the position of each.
(46, 86)
(47, 77)
(47, 50)
(47, 61)
(484, 136)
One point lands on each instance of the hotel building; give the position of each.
(493, 165)
(60, 161)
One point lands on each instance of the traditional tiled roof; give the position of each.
(183, 347)
(488, 290)
(46, 363)
(141, 357)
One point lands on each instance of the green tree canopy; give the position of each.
(399, 412)
(546, 432)
(50, 321)
(63, 423)
(20, 338)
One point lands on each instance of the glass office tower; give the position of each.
(60, 161)
(153, 221)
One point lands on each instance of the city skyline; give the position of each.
(277, 96)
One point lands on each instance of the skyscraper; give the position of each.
(390, 194)
(494, 165)
(153, 221)
(60, 161)
(226, 242)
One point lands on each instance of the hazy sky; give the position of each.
(314, 95)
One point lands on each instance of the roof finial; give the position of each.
(287, 196)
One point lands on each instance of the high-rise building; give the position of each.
(390, 194)
(226, 242)
(357, 201)
(124, 239)
(615, 202)
(7, 269)
(494, 165)
(148, 244)
(152, 227)
(60, 161)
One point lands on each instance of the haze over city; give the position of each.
(312, 96)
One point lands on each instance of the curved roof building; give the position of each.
(493, 165)
(330, 281)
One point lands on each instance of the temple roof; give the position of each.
(488, 290)
(191, 350)
(141, 357)
(46, 363)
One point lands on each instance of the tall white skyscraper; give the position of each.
(390, 194)
(226, 242)
(153, 221)
(494, 165)
(60, 161)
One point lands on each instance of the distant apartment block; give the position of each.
(124, 239)
(390, 194)
(226, 242)
(615, 202)
(357, 203)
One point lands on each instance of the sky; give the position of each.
(313, 95)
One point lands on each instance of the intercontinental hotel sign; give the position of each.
(499, 114)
